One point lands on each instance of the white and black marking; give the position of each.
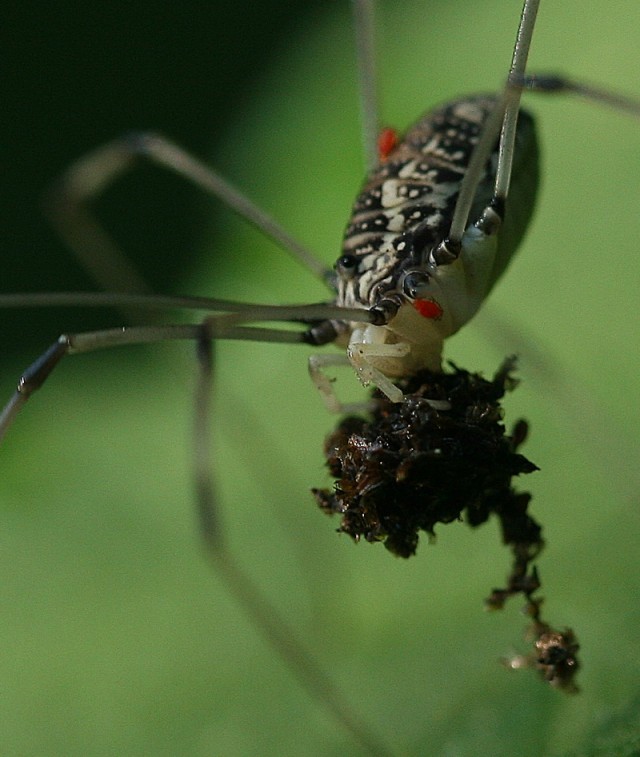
(404, 210)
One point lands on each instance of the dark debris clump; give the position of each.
(441, 455)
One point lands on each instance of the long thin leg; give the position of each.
(67, 207)
(272, 625)
(555, 84)
(512, 96)
(363, 11)
(505, 118)
(230, 325)
(249, 311)
(264, 616)
(506, 111)
(276, 631)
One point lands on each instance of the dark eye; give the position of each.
(415, 282)
(347, 266)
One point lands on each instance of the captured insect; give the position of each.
(378, 623)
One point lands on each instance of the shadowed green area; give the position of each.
(116, 638)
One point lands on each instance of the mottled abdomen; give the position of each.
(406, 205)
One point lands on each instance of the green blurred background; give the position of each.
(115, 637)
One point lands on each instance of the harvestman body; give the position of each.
(433, 229)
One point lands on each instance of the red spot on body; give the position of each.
(428, 309)
(387, 141)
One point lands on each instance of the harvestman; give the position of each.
(428, 239)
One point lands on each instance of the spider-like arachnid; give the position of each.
(547, 292)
